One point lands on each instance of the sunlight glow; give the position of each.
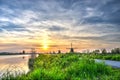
(45, 47)
(45, 42)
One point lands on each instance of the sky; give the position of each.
(51, 25)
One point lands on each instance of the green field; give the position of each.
(67, 67)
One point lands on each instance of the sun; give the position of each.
(45, 47)
(45, 42)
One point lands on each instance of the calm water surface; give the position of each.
(14, 63)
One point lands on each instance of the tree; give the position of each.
(59, 51)
(115, 51)
(104, 51)
(23, 52)
(96, 51)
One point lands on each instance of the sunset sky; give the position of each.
(50, 25)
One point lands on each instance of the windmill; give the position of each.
(71, 49)
(33, 50)
(33, 53)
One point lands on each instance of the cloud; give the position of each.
(57, 28)
(60, 20)
(107, 13)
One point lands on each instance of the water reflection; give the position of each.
(14, 63)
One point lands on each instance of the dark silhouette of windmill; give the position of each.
(71, 49)
(33, 50)
(33, 53)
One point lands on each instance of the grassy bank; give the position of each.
(67, 67)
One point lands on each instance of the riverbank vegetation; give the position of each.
(67, 67)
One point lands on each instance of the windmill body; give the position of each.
(71, 49)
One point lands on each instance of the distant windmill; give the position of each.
(33, 53)
(33, 50)
(71, 49)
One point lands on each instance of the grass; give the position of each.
(67, 67)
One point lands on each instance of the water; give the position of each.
(115, 64)
(14, 63)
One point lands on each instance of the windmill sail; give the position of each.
(71, 49)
